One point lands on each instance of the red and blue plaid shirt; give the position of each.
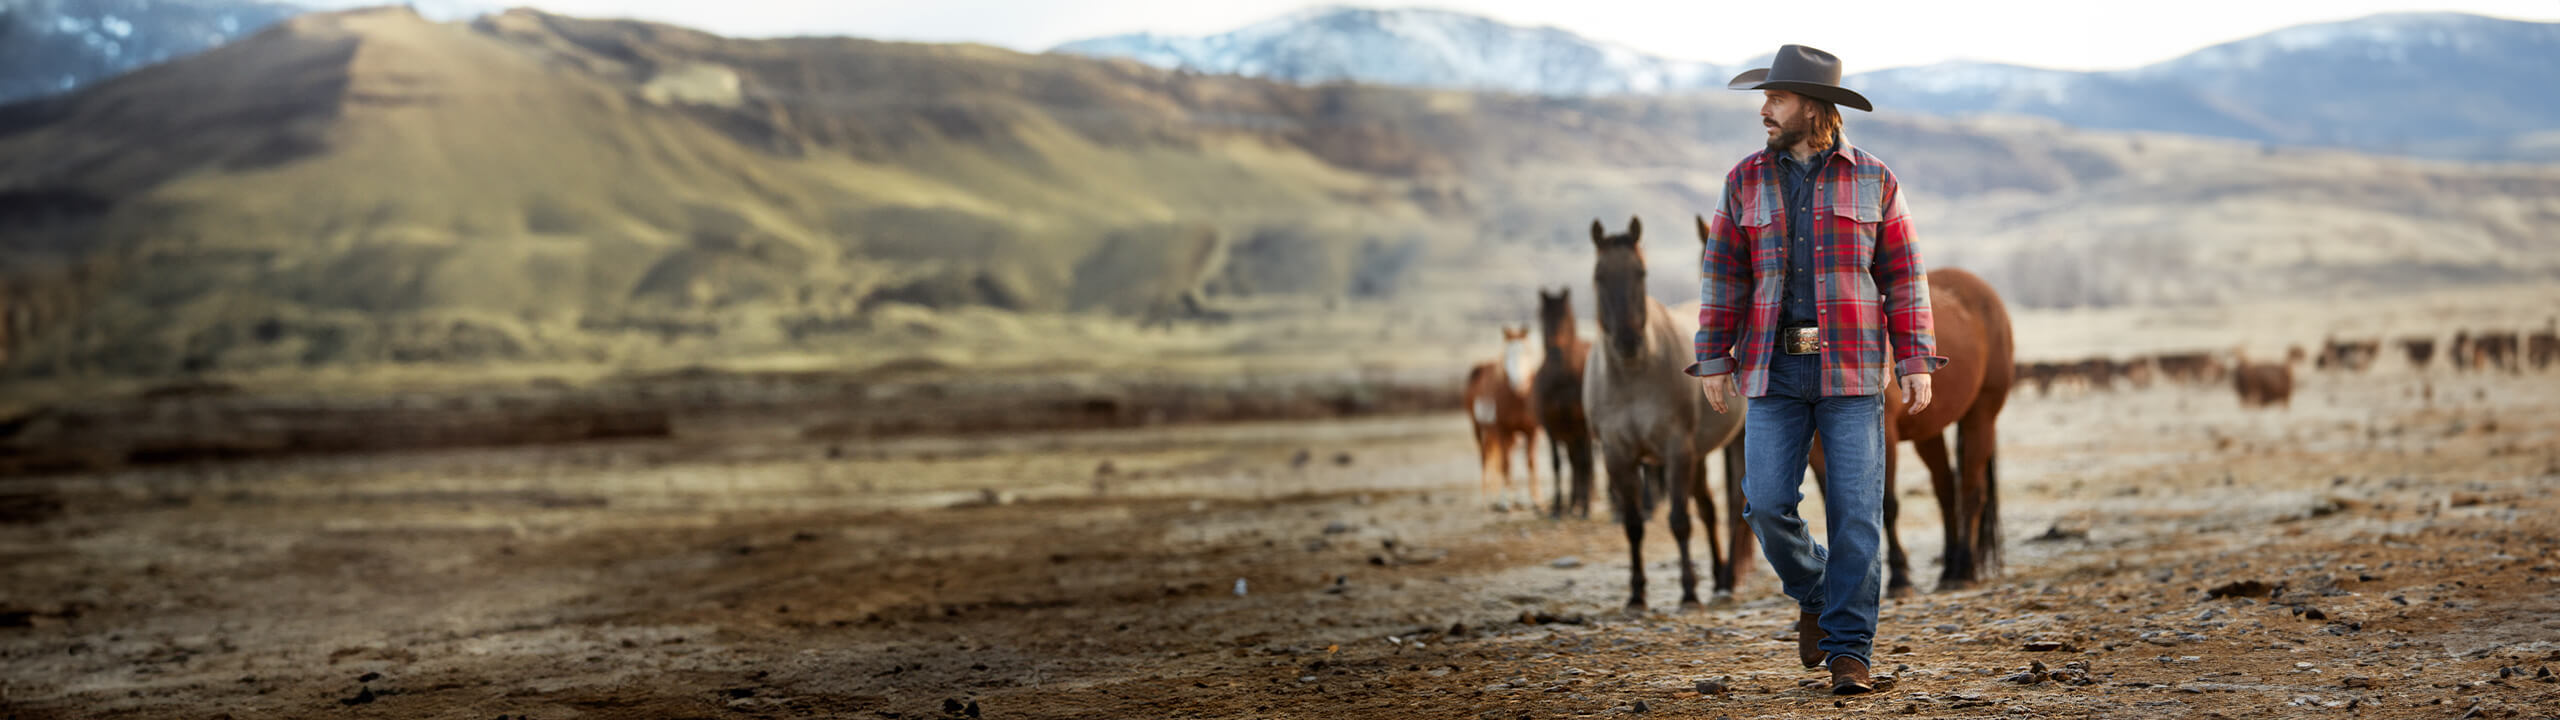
(1868, 282)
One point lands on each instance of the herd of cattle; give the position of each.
(2261, 384)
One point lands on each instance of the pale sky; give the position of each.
(1867, 34)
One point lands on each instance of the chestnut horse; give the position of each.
(1653, 424)
(1497, 400)
(1557, 392)
(1974, 335)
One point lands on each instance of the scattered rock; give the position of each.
(2243, 588)
(2056, 533)
(1712, 687)
(1901, 650)
(2358, 682)
(368, 677)
(1567, 562)
(1300, 458)
(1336, 527)
(362, 696)
(1640, 707)
(2049, 646)
(1342, 459)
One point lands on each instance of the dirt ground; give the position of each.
(2403, 525)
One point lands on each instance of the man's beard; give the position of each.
(1788, 135)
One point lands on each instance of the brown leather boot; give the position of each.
(1809, 636)
(1849, 677)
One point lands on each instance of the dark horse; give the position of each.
(1557, 390)
(1973, 333)
(1653, 423)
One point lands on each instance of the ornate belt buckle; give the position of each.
(1803, 341)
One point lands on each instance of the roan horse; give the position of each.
(1653, 423)
(1497, 401)
(1973, 333)
(1557, 392)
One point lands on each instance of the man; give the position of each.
(1808, 268)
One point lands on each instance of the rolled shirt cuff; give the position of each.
(1919, 364)
(1711, 367)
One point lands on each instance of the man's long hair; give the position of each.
(1825, 125)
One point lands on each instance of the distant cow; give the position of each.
(2543, 348)
(2347, 355)
(2189, 367)
(2420, 349)
(2263, 384)
(2497, 350)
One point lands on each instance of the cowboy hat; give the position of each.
(1803, 71)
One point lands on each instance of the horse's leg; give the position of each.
(1529, 459)
(1626, 493)
(1899, 584)
(1555, 462)
(1957, 558)
(1745, 545)
(1683, 467)
(1978, 445)
(1489, 457)
(1578, 449)
(1719, 561)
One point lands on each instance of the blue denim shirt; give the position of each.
(1795, 307)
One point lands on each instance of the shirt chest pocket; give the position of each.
(1855, 216)
(1763, 222)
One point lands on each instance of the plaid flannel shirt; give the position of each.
(1868, 282)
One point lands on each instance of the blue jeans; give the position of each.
(1844, 584)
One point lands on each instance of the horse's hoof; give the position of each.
(1722, 600)
(1901, 591)
(1635, 608)
(1947, 585)
(1501, 507)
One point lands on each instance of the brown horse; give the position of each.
(1974, 335)
(2263, 384)
(1497, 401)
(1653, 424)
(1557, 392)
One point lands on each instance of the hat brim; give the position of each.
(1758, 79)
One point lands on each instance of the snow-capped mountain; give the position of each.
(2406, 82)
(48, 46)
(51, 46)
(1415, 47)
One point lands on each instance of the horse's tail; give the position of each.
(1986, 543)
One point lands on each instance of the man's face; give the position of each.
(1784, 115)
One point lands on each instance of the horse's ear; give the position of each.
(1599, 235)
(1702, 227)
(1635, 230)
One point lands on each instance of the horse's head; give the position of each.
(1618, 278)
(1555, 318)
(1512, 334)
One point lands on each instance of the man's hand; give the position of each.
(1915, 393)
(1718, 387)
